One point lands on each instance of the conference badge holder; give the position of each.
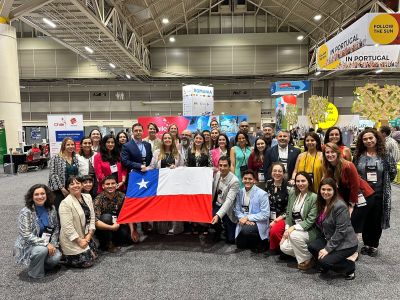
(284, 161)
(114, 219)
(113, 168)
(47, 233)
(297, 217)
(273, 215)
(245, 209)
(261, 177)
(361, 200)
(372, 173)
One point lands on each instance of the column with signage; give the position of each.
(198, 100)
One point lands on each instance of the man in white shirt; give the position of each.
(392, 146)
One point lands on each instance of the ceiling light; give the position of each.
(50, 23)
(317, 73)
(379, 71)
(89, 50)
(300, 37)
(112, 65)
(376, 45)
(171, 39)
(128, 76)
(165, 21)
(317, 17)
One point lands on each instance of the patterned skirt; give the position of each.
(85, 259)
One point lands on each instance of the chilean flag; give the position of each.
(181, 194)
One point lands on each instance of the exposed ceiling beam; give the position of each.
(185, 15)
(155, 21)
(6, 7)
(288, 14)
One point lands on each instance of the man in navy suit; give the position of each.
(136, 154)
(283, 152)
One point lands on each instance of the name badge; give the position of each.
(273, 215)
(261, 177)
(87, 229)
(46, 236)
(114, 219)
(284, 161)
(113, 168)
(297, 217)
(361, 200)
(245, 209)
(372, 174)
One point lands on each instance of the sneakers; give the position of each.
(370, 251)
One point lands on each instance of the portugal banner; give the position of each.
(181, 194)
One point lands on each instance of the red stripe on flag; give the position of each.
(194, 208)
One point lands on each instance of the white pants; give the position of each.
(296, 246)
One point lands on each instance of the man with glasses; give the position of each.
(244, 127)
(186, 142)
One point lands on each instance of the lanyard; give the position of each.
(244, 155)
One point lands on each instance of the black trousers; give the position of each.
(249, 238)
(120, 237)
(372, 229)
(229, 226)
(58, 198)
(336, 260)
(359, 215)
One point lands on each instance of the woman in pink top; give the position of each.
(108, 162)
(222, 150)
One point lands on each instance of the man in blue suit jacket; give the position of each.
(283, 152)
(136, 154)
(252, 210)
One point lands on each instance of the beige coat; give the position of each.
(72, 220)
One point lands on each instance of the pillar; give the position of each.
(10, 101)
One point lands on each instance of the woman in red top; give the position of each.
(351, 187)
(256, 161)
(108, 162)
(334, 135)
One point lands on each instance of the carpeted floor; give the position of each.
(185, 267)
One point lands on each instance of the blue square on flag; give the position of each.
(142, 184)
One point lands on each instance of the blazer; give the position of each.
(28, 234)
(258, 210)
(102, 169)
(57, 167)
(228, 195)
(272, 155)
(215, 155)
(337, 228)
(131, 156)
(156, 164)
(72, 220)
(310, 213)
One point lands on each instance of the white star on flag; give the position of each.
(142, 184)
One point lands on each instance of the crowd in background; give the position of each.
(293, 193)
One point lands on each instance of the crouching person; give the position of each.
(252, 210)
(37, 241)
(107, 206)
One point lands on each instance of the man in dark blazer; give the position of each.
(283, 152)
(136, 154)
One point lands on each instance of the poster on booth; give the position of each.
(198, 100)
(280, 110)
(228, 124)
(374, 32)
(3, 141)
(62, 126)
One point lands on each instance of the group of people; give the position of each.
(267, 195)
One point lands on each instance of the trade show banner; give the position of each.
(280, 88)
(373, 29)
(280, 110)
(3, 141)
(227, 123)
(62, 126)
(198, 100)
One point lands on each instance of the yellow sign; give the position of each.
(331, 117)
(383, 29)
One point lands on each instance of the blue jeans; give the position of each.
(40, 260)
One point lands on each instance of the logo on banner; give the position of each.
(384, 29)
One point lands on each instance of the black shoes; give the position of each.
(370, 251)
(350, 276)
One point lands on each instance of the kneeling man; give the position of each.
(107, 206)
(252, 210)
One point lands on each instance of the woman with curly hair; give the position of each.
(121, 138)
(378, 168)
(37, 242)
(351, 187)
(108, 162)
(334, 135)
